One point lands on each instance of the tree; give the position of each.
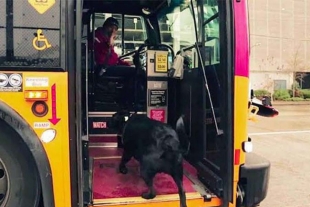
(268, 81)
(297, 66)
(300, 77)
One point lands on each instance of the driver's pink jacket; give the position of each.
(101, 48)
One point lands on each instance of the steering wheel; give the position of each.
(139, 58)
(169, 48)
(127, 55)
(133, 55)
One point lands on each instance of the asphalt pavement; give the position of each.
(285, 141)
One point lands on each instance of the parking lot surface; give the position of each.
(285, 141)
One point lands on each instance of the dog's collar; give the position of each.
(127, 117)
(131, 114)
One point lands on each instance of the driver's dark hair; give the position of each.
(111, 21)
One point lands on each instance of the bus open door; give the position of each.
(211, 92)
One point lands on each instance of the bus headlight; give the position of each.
(247, 146)
(48, 135)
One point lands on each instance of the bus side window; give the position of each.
(212, 33)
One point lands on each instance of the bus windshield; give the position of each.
(178, 29)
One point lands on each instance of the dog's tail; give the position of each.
(183, 137)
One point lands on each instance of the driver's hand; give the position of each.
(128, 60)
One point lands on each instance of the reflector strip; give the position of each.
(237, 156)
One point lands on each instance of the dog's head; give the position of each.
(118, 120)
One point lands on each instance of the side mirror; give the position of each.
(252, 93)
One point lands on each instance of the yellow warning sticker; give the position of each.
(41, 5)
(161, 63)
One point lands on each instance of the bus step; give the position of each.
(96, 139)
(98, 123)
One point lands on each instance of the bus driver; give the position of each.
(105, 56)
(104, 44)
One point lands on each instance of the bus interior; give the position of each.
(193, 32)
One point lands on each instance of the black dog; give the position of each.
(156, 146)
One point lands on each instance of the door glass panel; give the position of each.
(212, 67)
(212, 34)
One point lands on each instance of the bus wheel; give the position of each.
(19, 180)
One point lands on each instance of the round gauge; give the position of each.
(15, 80)
(3, 80)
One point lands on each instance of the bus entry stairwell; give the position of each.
(111, 188)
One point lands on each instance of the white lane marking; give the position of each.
(280, 132)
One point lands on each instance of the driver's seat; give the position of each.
(116, 88)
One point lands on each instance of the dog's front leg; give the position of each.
(148, 179)
(125, 158)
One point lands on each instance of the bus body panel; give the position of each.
(241, 86)
(240, 129)
(57, 149)
(240, 132)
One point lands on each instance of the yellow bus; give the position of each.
(56, 149)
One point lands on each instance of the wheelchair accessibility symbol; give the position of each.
(40, 42)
